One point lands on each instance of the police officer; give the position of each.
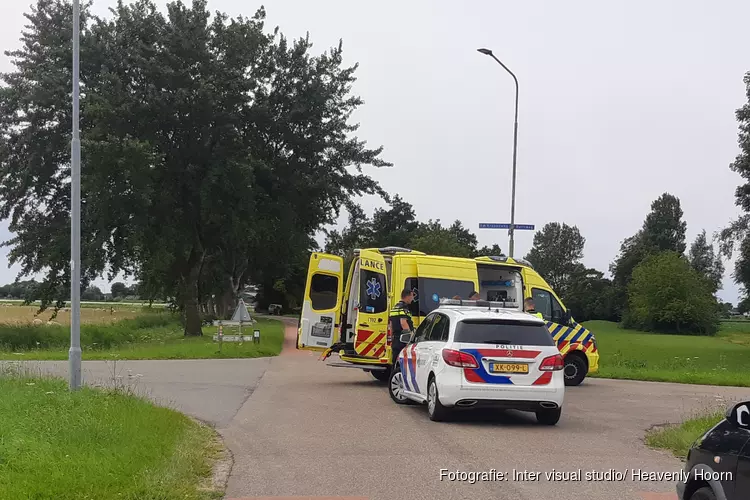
(474, 295)
(401, 322)
(529, 307)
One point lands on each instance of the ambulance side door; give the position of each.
(321, 307)
(372, 314)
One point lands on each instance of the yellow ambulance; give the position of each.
(348, 313)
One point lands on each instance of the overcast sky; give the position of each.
(620, 101)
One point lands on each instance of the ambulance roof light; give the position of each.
(498, 258)
(489, 304)
(394, 250)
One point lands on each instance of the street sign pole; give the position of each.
(74, 354)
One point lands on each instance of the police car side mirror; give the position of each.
(405, 338)
(739, 415)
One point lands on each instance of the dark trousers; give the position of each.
(396, 348)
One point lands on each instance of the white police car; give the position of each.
(474, 354)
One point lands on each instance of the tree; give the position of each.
(433, 238)
(706, 262)
(92, 293)
(119, 289)
(737, 234)
(590, 295)
(667, 295)
(663, 230)
(209, 148)
(556, 254)
(493, 250)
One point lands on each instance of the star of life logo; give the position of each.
(373, 289)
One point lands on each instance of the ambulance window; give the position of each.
(373, 297)
(413, 285)
(323, 291)
(431, 290)
(543, 302)
(557, 310)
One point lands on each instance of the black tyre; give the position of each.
(380, 375)
(435, 409)
(575, 369)
(704, 493)
(548, 417)
(396, 386)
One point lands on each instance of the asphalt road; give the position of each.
(298, 428)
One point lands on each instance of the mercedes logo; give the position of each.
(509, 354)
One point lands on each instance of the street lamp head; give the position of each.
(486, 52)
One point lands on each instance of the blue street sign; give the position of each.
(505, 225)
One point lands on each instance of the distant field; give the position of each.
(124, 333)
(720, 360)
(18, 314)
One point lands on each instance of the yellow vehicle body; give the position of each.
(349, 315)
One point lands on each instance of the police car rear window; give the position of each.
(497, 331)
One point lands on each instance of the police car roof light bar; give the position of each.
(489, 304)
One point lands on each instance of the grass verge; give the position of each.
(151, 336)
(679, 438)
(720, 360)
(95, 444)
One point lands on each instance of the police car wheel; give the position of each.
(575, 370)
(396, 387)
(435, 409)
(548, 417)
(704, 493)
(380, 375)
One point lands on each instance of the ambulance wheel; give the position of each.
(396, 386)
(435, 409)
(575, 368)
(380, 375)
(548, 417)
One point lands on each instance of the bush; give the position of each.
(667, 295)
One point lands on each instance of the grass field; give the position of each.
(142, 334)
(679, 438)
(15, 314)
(93, 444)
(720, 360)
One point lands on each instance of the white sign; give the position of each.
(231, 338)
(241, 314)
(256, 334)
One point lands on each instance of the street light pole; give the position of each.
(511, 231)
(74, 354)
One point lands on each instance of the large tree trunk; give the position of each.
(193, 324)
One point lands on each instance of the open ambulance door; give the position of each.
(372, 311)
(321, 308)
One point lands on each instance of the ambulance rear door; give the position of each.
(321, 308)
(372, 310)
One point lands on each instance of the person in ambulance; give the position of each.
(529, 307)
(401, 322)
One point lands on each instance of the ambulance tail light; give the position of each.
(389, 335)
(552, 363)
(459, 359)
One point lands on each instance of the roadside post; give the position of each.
(221, 335)
(256, 336)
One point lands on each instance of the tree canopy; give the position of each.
(667, 295)
(211, 150)
(556, 254)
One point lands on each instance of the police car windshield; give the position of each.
(499, 331)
